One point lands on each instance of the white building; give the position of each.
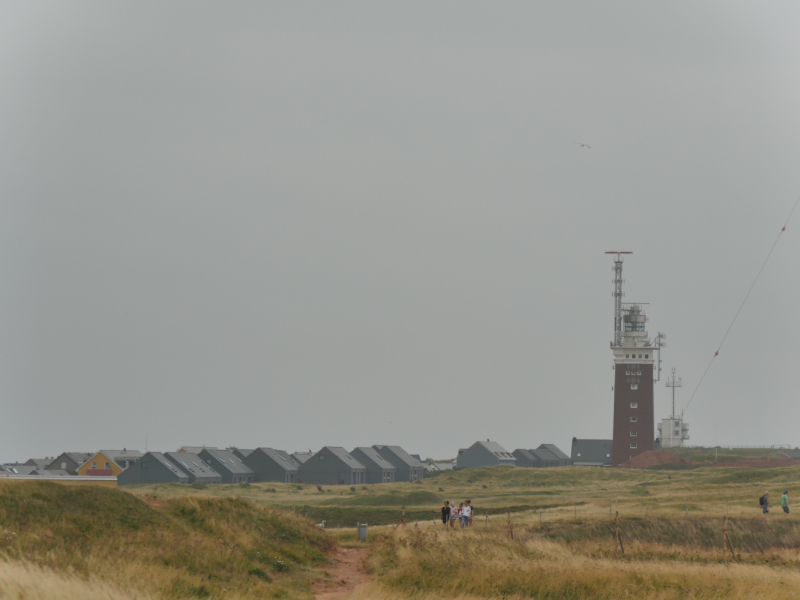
(672, 432)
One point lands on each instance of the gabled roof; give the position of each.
(196, 449)
(373, 455)
(40, 463)
(302, 457)
(543, 454)
(122, 455)
(555, 450)
(525, 454)
(594, 451)
(159, 456)
(192, 464)
(281, 458)
(344, 456)
(402, 455)
(245, 451)
(496, 449)
(229, 461)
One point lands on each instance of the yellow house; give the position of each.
(109, 462)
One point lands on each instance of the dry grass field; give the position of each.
(174, 541)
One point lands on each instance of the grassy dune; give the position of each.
(21, 581)
(178, 548)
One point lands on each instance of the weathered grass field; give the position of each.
(225, 541)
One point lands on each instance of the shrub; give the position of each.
(353, 489)
(199, 485)
(319, 488)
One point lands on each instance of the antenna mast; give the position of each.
(617, 294)
(674, 382)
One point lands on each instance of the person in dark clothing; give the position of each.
(445, 514)
(764, 502)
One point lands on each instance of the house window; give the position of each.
(647, 356)
(634, 405)
(579, 454)
(634, 434)
(108, 465)
(627, 356)
(634, 419)
(322, 457)
(144, 464)
(94, 465)
(633, 444)
(63, 466)
(634, 386)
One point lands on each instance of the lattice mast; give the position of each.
(674, 382)
(617, 294)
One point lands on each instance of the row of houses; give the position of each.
(332, 465)
(490, 454)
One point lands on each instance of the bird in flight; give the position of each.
(583, 145)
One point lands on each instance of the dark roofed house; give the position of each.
(591, 453)
(153, 467)
(228, 465)
(408, 467)
(243, 452)
(39, 463)
(485, 454)
(194, 467)
(525, 458)
(556, 451)
(272, 465)
(332, 465)
(69, 461)
(379, 470)
(302, 457)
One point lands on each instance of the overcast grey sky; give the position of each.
(300, 224)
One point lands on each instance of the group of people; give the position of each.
(455, 516)
(764, 502)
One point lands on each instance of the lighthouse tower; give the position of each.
(634, 374)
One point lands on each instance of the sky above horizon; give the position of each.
(305, 224)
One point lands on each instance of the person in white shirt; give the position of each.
(465, 515)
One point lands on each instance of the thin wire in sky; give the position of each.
(741, 306)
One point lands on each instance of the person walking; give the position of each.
(465, 512)
(453, 515)
(764, 502)
(445, 514)
(785, 502)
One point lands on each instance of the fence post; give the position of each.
(619, 536)
(510, 527)
(726, 538)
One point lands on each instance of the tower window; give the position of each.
(634, 419)
(633, 444)
(634, 433)
(634, 386)
(634, 405)
(627, 356)
(647, 356)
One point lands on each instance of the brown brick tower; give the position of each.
(635, 370)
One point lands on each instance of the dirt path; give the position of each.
(346, 573)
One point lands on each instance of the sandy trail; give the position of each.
(346, 573)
